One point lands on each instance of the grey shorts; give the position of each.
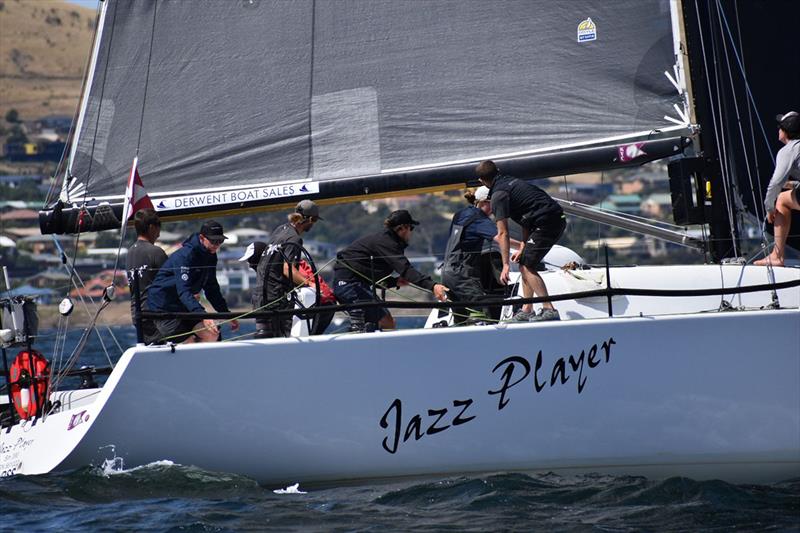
(171, 330)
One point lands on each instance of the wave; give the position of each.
(167, 496)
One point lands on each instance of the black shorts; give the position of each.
(541, 239)
(171, 330)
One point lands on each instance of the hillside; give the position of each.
(44, 47)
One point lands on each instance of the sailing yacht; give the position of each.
(247, 105)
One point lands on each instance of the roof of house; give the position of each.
(27, 290)
(19, 214)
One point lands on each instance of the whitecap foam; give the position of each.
(291, 489)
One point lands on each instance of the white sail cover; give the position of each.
(274, 97)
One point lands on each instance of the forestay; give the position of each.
(247, 103)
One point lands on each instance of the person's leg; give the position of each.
(451, 280)
(536, 284)
(322, 322)
(387, 322)
(203, 332)
(524, 280)
(540, 242)
(349, 293)
(782, 225)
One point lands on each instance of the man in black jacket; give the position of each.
(368, 263)
(278, 273)
(543, 223)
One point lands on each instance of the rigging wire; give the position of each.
(750, 109)
(715, 121)
(747, 85)
(721, 20)
(124, 223)
(83, 212)
(73, 275)
(722, 148)
(739, 121)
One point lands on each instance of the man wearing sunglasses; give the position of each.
(187, 272)
(366, 266)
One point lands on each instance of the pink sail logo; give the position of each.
(78, 419)
(630, 152)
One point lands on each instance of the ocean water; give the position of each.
(164, 496)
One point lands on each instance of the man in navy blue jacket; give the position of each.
(191, 269)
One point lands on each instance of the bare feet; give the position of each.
(770, 260)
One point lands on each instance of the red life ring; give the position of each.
(29, 373)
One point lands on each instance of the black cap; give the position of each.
(400, 217)
(789, 122)
(308, 209)
(212, 230)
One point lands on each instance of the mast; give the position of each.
(698, 181)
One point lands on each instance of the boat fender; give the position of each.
(30, 369)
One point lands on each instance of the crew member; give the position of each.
(278, 271)
(191, 269)
(145, 258)
(470, 228)
(542, 221)
(369, 262)
(780, 204)
(307, 294)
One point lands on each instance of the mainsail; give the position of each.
(243, 104)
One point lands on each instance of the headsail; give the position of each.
(247, 103)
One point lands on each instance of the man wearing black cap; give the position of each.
(277, 274)
(543, 223)
(369, 262)
(780, 204)
(191, 269)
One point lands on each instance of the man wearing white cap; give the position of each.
(278, 273)
(779, 204)
(470, 228)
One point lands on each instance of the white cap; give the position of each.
(251, 249)
(481, 193)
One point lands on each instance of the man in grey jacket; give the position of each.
(780, 204)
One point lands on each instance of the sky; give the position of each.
(85, 3)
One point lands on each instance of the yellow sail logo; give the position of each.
(587, 31)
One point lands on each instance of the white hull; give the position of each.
(712, 395)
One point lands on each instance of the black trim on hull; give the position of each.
(98, 217)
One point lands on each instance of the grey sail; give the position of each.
(246, 103)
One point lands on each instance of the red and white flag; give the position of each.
(136, 197)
